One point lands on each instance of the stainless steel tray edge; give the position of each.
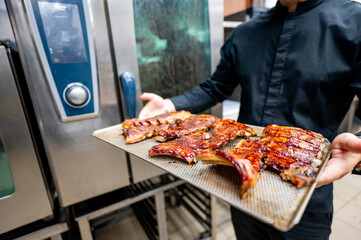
(312, 187)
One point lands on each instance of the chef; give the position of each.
(298, 64)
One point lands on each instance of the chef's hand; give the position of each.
(155, 105)
(346, 153)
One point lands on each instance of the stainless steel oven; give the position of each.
(86, 62)
(23, 194)
(65, 54)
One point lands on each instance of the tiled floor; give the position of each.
(347, 203)
(181, 225)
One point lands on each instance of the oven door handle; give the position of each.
(129, 91)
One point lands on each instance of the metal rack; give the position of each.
(197, 202)
(148, 201)
(136, 193)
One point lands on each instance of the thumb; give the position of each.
(148, 96)
(347, 141)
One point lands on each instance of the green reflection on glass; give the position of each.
(173, 44)
(6, 179)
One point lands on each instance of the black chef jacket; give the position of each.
(295, 69)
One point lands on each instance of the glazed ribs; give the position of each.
(294, 152)
(246, 157)
(184, 147)
(226, 130)
(157, 120)
(134, 134)
(192, 124)
(136, 130)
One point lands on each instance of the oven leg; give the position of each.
(84, 228)
(56, 237)
(161, 215)
(214, 217)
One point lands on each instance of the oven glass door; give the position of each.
(173, 45)
(6, 179)
(166, 45)
(19, 163)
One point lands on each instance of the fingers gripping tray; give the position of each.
(272, 201)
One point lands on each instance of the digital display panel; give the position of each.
(63, 32)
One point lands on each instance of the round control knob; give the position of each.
(77, 95)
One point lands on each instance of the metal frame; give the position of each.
(158, 193)
(122, 34)
(201, 205)
(53, 232)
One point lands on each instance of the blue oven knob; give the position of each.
(76, 95)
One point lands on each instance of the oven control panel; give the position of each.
(76, 95)
(63, 36)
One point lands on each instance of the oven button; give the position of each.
(76, 95)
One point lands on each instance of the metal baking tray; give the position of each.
(272, 201)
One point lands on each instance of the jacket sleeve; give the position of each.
(216, 88)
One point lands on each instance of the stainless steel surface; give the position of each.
(56, 237)
(6, 33)
(142, 170)
(122, 34)
(273, 201)
(216, 35)
(351, 123)
(83, 221)
(81, 166)
(214, 217)
(216, 30)
(30, 201)
(161, 216)
(84, 228)
(52, 232)
(258, 3)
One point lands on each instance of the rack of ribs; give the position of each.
(134, 134)
(294, 152)
(136, 130)
(246, 157)
(190, 125)
(164, 118)
(226, 130)
(184, 147)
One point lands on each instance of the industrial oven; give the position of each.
(21, 177)
(85, 64)
(25, 195)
